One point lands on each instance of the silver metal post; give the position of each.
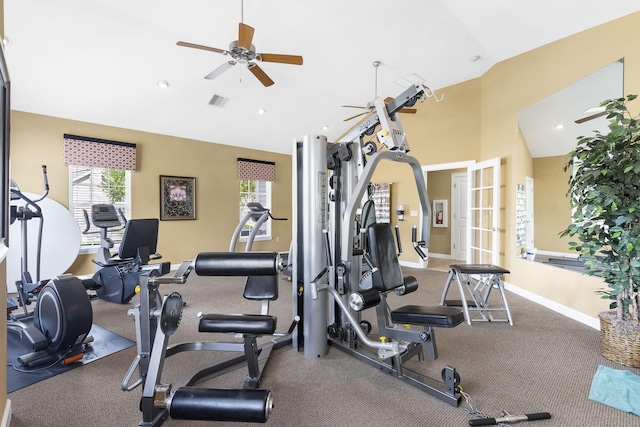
(310, 219)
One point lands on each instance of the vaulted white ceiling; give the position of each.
(99, 61)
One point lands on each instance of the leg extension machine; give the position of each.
(157, 318)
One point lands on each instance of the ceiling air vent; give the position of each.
(219, 101)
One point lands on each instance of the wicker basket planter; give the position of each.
(620, 340)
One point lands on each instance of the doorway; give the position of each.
(474, 228)
(459, 215)
(448, 244)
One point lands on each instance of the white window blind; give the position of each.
(99, 173)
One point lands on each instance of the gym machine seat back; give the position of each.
(389, 277)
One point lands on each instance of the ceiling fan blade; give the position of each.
(282, 59)
(245, 36)
(593, 116)
(402, 110)
(221, 69)
(199, 46)
(355, 106)
(357, 115)
(260, 74)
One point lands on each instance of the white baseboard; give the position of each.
(6, 416)
(441, 256)
(412, 264)
(558, 308)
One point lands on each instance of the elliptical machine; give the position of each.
(63, 316)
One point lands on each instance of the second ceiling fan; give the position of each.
(370, 108)
(243, 52)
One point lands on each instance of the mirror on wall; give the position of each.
(550, 129)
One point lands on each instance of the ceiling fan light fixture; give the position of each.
(243, 52)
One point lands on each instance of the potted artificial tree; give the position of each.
(605, 196)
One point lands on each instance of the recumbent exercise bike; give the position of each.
(117, 277)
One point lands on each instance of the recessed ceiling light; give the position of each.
(474, 58)
(559, 126)
(5, 40)
(163, 84)
(261, 110)
(325, 127)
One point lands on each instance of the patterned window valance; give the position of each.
(99, 153)
(256, 170)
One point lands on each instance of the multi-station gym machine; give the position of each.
(330, 247)
(333, 238)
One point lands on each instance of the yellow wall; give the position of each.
(439, 133)
(552, 210)
(37, 139)
(476, 121)
(439, 188)
(518, 82)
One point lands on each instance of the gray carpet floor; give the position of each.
(544, 363)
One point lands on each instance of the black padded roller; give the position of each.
(237, 264)
(364, 299)
(410, 285)
(209, 404)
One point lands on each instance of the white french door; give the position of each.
(484, 202)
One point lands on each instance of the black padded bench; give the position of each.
(435, 316)
(261, 269)
(389, 278)
(478, 280)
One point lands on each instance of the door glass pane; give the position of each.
(487, 177)
(486, 240)
(487, 197)
(475, 218)
(487, 219)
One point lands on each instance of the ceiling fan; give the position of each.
(370, 106)
(591, 117)
(243, 52)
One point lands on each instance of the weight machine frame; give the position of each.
(328, 244)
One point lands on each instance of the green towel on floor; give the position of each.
(618, 389)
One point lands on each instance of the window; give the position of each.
(99, 173)
(255, 190)
(93, 185)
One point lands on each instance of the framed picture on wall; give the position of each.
(177, 197)
(440, 214)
